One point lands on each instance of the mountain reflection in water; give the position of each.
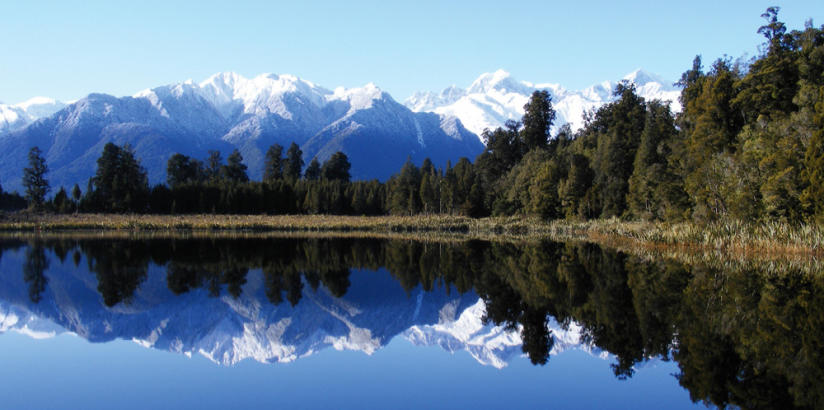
(741, 336)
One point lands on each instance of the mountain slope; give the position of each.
(17, 116)
(228, 111)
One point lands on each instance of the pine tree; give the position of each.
(120, 183)
(213, 165)
(34, 179)
(234, 170)
(618, 127)
(76, 194)
(537, 120)
(294, 163)
(336, 168)
(312, 170)
(180, 169)
(650, 168)
(273, 167)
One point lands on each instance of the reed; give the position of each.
(727, 237)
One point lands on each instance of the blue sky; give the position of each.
(67, 49)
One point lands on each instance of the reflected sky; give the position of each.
(53, 372)
(365, 324)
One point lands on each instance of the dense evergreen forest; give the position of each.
(748, 145)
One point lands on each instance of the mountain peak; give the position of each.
(640, 78)
(489, 81)
(360, 97)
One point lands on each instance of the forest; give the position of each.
(748, 145)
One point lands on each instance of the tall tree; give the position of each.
(651, 178)
(213, 165)
(273, 167)
(337, 167)
(538, 118)
(120, 183)
(234, 170)
(618, 127)
(312, 170)
(34, 179)
(294, 162)
(180, 169)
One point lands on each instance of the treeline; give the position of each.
(748, 145)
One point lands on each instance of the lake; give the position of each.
(216, 321)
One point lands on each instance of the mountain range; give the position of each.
(494, 98)
(228, 111)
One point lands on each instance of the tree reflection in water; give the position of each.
(752, 338)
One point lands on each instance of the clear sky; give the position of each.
(67, 49)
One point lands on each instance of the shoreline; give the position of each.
(756, 239)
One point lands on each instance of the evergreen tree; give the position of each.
(180, 169)
(213, 165)
(574, 187)
(273, 167)
(651, 174)
(404, 190)
(34, 179)
(120, 184)
(61, 201)
(336, 168)
(235, 170)
(618, 128)
(538, 118)
(312, 170)
(771, 84)
(76, 193)
(294, 163)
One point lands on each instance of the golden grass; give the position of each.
(758, 240)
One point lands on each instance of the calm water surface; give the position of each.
(91, 322)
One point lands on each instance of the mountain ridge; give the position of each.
(494, 98)
(227, 111)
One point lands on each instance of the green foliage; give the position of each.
(273, 166)
(312, 170)
(617, 128)
(235, 170)
(120, 184)
(294, 162)
(404, 190)
(655, 191)
(336, 168)
(180, 169)
(537, 120)
(34, 179)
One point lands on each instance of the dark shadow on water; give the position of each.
(743, 337)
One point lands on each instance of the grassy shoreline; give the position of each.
(738, 238)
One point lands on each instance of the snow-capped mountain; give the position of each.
(228, 111)
(228, 330)
(13, 117)
(494, 98)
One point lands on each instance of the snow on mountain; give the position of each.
(494, 98)
(17, 116)
(228, 111)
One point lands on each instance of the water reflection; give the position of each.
(747, 337)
